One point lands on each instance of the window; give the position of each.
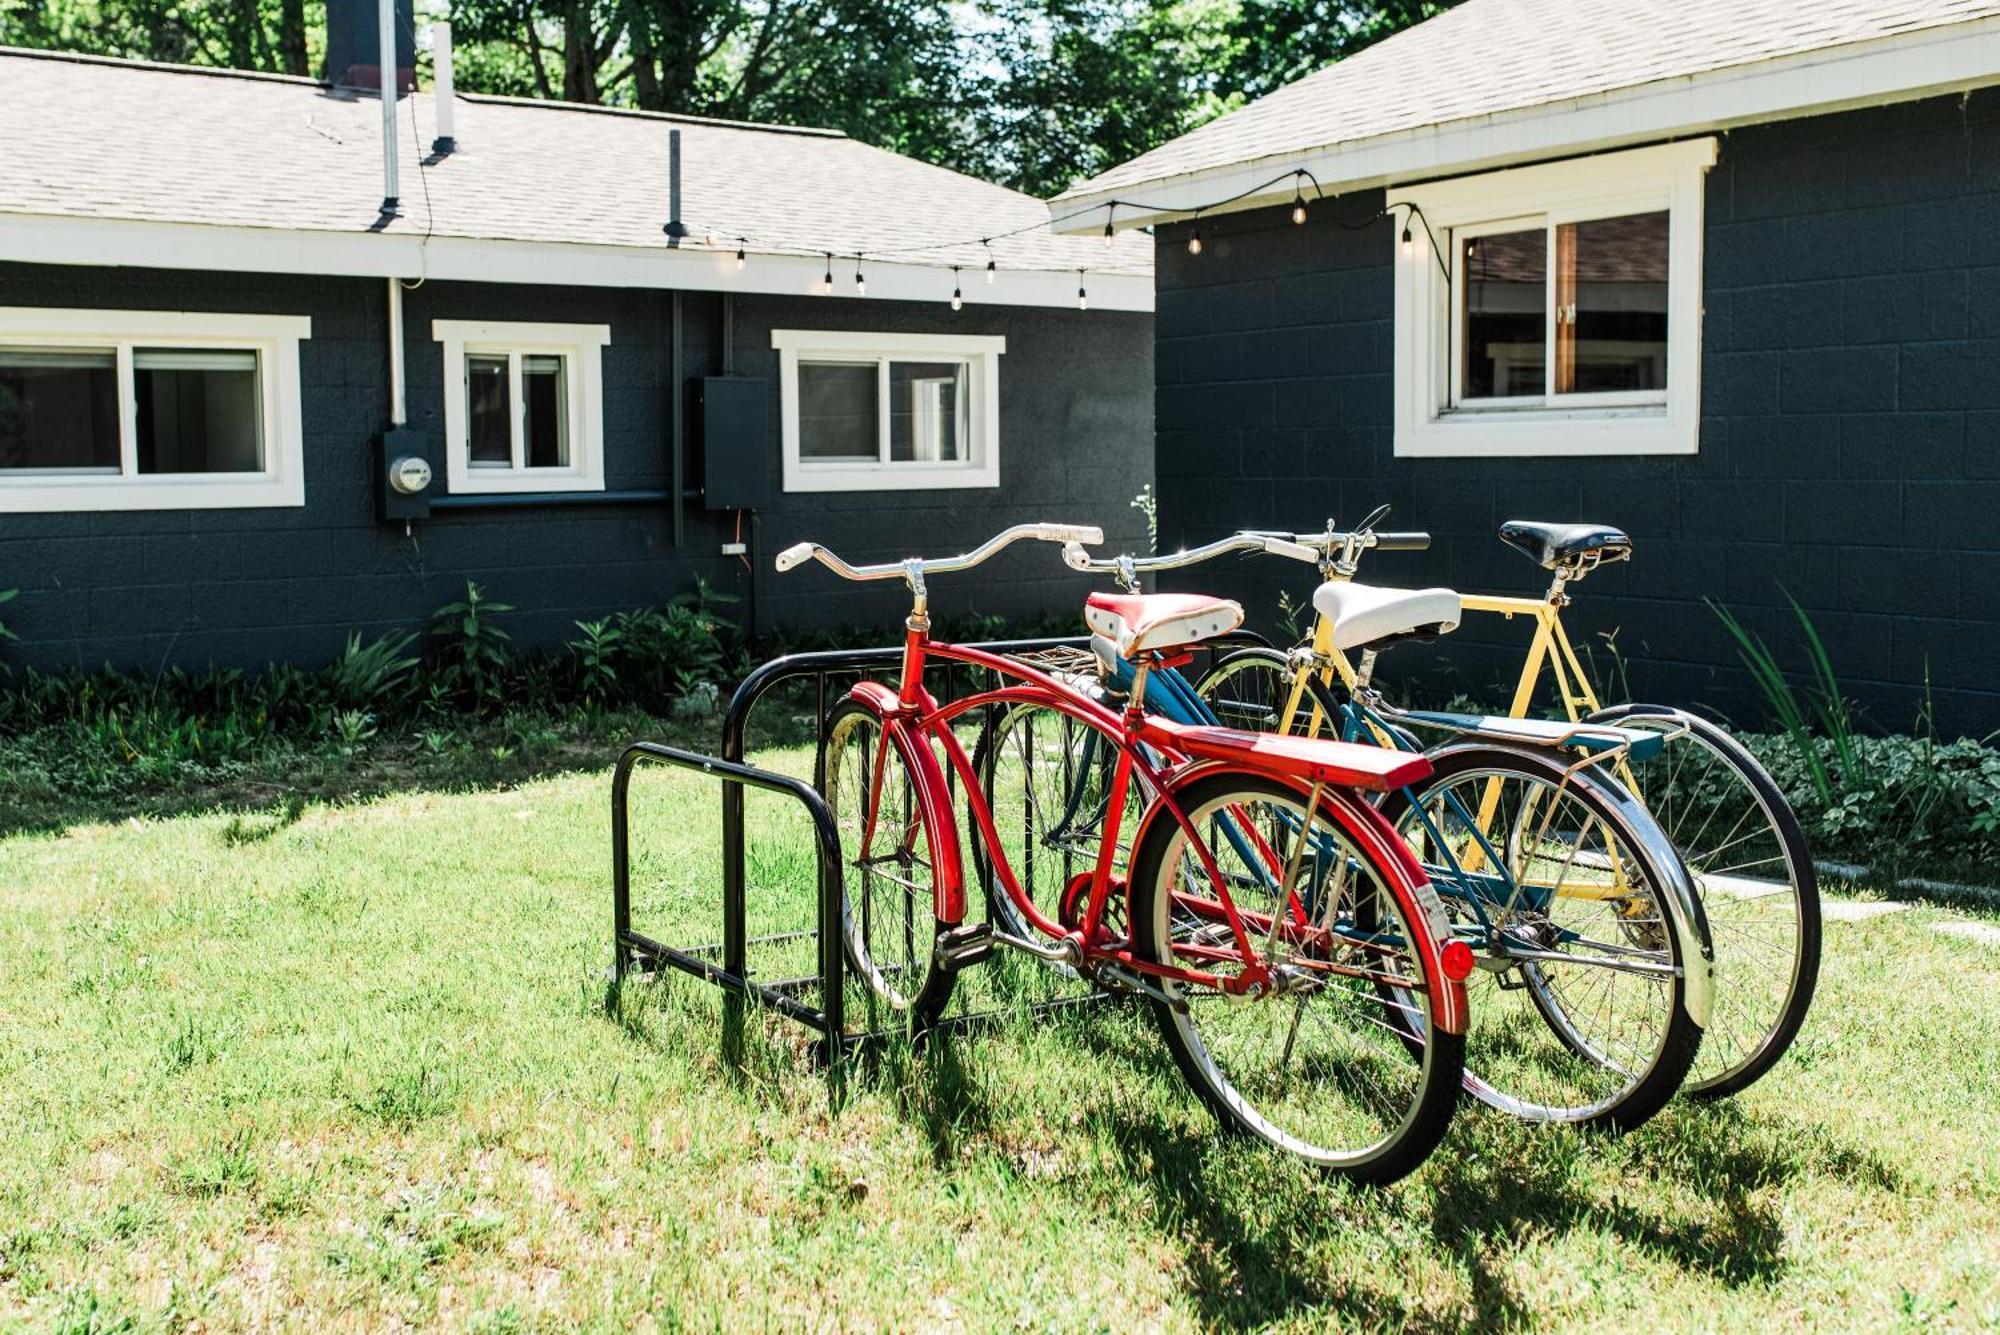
(523, 406)
(889, 411)
(1554, 309)
(148, 410)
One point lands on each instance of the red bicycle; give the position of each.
(1301, 967)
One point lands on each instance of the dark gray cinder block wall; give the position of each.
(246, 587)
(1850, 437)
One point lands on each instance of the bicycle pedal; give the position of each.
(964, 946)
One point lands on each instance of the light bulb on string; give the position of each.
(957, 293)
(860, 283)
(1408, 240)
(826, 283)
(1082, 297)
(992, 272)
(1298, 209)
(741, 258)
(1194, 237)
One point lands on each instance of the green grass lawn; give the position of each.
(351, 1067)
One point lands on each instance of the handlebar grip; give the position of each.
(1075, 557)
(1402, 542)
(1278, 546)
(796, 555)
(1070, 533)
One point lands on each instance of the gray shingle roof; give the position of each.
(1493, 56)
(110, 139)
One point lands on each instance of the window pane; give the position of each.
(1611, 304)
(545, 386)
(59, 408)
(839, 416)
(1506, 313)
(490, 437)
(928, 406)
(198, 411)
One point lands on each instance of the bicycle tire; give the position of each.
(841, 760)
(1727, 1065)
(1677, 1040)
(1432, 1075)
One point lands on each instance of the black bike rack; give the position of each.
(726, 963)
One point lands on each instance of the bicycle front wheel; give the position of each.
(1740, 839)
(888, 909)
(1047, 779)
(1580, 1009)
(1343, 1065)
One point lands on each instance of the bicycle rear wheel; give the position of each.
(1743, 844)
(1581, 1011)
(888, 910)
(1325, 1068)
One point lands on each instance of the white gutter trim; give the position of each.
(52, 239)
(1951, 58)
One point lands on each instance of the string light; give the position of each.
(1194, 237)
(957, 294)
(860, 283)
(741, 258)
(1408, 240)
(826, 283)
(1082, 297)
(1110, 234)
(1298, 208)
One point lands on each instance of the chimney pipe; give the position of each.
(390, 86)
(441, 87)
(675, 228)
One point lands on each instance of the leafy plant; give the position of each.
(472, 647)
(596, 652)
(1792, 713)
(1147, 504)
(369, 673)
(8, 596)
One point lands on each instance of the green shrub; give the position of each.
(471, 649)
(1913, 799)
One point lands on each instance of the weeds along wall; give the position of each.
(1850, 427)
(143, 590)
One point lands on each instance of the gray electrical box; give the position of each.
(734, 457)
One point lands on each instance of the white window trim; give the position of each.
(274, 338)
(582, 348)
(1668, 176)
(982, 355)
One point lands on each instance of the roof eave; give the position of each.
(68, 239)
(1924, 63)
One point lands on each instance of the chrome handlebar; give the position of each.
(1128, 568)
(915, 568)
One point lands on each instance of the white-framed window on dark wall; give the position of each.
(523, 406)
(149, 410)
(1553, 309)
(887, 412)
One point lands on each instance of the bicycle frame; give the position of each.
(921, 729)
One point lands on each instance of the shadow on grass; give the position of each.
(266, 794)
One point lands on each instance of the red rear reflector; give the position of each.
(1457, 961)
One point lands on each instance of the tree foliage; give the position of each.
(1035, 93)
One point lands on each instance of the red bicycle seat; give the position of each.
(1314, 759)
(1136, 622)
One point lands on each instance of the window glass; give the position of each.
(927, 412)
(59, 409)
(545, 385)
(487, 411)
(197, 411)
(1611, 304)
(1506, 314)
(839, 411)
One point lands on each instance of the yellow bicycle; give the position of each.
(1722, 812)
